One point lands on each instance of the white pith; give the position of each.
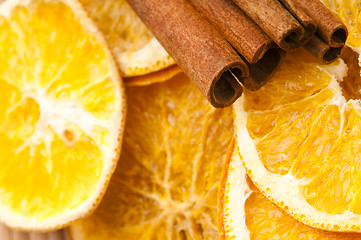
(236, 193)
(56, 114)
(144, 58)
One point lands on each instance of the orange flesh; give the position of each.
(166, 183)
(298, 131)
(47, 67)
(132, 43)
(265, 220)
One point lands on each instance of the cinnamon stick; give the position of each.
(196, 46)
(307, 22)
(239, 30)
(323, 52)
(275, 21)
(261, 54)
(329, 27)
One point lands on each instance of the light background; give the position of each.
(8, 234)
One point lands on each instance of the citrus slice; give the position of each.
(299, 137)
(166, 182)
(133, 45)
(61, 113)
(245, 213)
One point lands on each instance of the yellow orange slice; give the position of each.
(299, 138)
(133, 45)
(61, 113)
(166, 182)
(246, 214)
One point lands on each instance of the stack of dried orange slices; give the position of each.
(295, 170)
(166, 182)
(62, 114)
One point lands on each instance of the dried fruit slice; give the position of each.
(61, 113)
(245, 213)
(133, 45)
(166, 182)
(300, 141)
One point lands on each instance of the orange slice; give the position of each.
(166, 182)
(61, 114)
(245, 213)
(299, 138)
(133, 45)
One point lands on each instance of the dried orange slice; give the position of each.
(166, 182)
(245, 213)
(299, 137)
(133, 45)
(61, 113)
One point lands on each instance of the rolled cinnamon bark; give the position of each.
(196, 46)
(307, 22)
(261, 54)
(238, 29)
(275, 21)
(329, 27)
(322, 51)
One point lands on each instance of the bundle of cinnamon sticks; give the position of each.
(223, 45)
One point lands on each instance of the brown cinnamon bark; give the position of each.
(262, 55)
(197, 47)
(239, 30)
(324, 52)
(307, 22)
(275, 21)
(351, 84)
(329, 27)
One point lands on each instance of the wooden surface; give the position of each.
(8, 234)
